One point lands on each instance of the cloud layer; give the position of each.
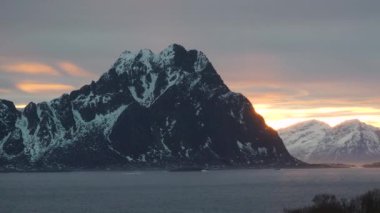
(74, 70)
(294, 59)
(34, 87)
(29, 68)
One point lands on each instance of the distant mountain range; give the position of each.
(149, 110)
(349, 142)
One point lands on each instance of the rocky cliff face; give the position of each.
(316, 142)
(149, 110)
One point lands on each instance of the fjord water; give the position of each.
(264, 190)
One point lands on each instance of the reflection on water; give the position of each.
(264, 190)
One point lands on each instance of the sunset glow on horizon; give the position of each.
(281, 118)
(294, 61)
(213, 106)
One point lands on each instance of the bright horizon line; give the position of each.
(283, 118)
(324, 122)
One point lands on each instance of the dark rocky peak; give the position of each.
(30, 113)
(31, 108)
(141, 77)
(146, 75)
(174, 56)
(177, 56)
(7, 107)
(155, 110)
(8, 117)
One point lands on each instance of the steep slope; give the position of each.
(149, 110)
(316, 142)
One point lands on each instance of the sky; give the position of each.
(295, 60)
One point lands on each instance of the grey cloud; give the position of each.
(335, 42)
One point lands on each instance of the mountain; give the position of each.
(349, 142)
(149, 110)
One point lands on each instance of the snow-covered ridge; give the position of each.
(349, 142)
(141, 69)
(145, 68)
(165, 57)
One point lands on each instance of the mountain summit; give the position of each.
(349, 142)
(149, 110)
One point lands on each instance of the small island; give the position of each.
(372, 165)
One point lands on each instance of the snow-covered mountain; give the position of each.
(349, 142)
(148, 110)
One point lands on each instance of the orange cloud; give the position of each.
(43, 87)
(74, 70)
(30, 68)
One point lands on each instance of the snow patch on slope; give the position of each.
(145, 67)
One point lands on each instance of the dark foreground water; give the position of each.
(232, 191)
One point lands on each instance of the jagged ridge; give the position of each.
(147, 110)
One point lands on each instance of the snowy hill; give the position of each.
(148, 110)
(349, 142)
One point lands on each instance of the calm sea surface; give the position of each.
(232, 191)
